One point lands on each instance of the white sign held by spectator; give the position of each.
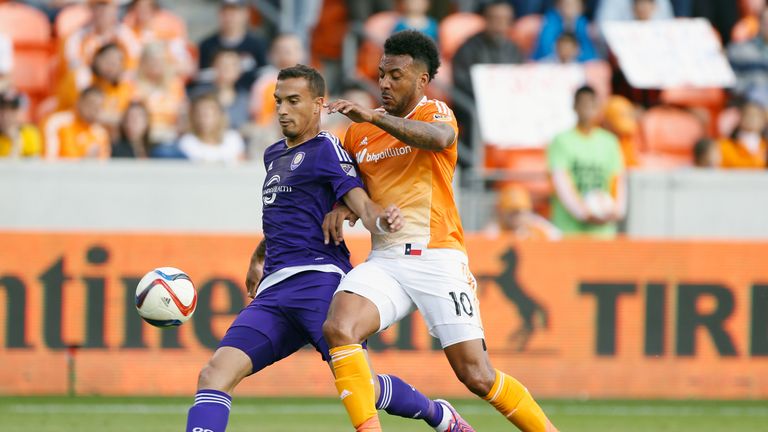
(527, 105)
(669, 53)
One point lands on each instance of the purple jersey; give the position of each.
(301, 186)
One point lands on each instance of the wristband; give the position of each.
(378, 226)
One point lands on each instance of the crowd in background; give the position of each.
(130, 84)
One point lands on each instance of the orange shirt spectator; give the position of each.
(746, 148)
(17, 139)
(514, 215)
(76, 134)
(748, 27)
(161, 91)
(108, 74)
(151, 24)
(286, 51)
(620, 119)
(80, 47)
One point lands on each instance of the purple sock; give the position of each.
(398, 398)
(210, 411)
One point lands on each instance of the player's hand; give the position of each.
(392, 220)
(355, 112)
(253, 277)
(333, 224)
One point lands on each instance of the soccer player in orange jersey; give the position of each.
(406, 154)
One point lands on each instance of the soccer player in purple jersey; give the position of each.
(307, 173)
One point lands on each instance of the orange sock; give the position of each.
(355, 386)
(512, 399)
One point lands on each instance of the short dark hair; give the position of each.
(417, 45)
(584, 90)
(483, 8)
(91, 90)
(315, 81)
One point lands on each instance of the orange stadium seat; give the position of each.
(455, 29)
(526, 31)
(669, 134)
(25, 25)
(30, 32)
(710, 99)
(526, 167)
(70, 19)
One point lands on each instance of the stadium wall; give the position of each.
(629, 319)
(182, 197)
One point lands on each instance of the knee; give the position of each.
(214, 378)
(478, 378)
(337, 332)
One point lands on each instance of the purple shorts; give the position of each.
(284, 318)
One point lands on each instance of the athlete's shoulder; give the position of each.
(333, 147)
(433, 110)
(274, 148)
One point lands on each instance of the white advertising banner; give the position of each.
(525, 105)
(669, 53)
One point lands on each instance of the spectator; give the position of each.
(566, 50)
(706, 154)
(143, 19)
(492, 45)
(628, 10)
(750, 62)
(76, 133)
(587, 171)
(286, 51)
(566, 16)
(133, 140)
(80, 47)
(233, 34)
(748, 26)
(414, 17)
(226, 66)
(6, 62)
(746, 148)
(17, 139)
(108, 74)
(515, 215)
(162, 92)
(210, 140)
(621, 120)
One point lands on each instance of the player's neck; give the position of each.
(301, 139)
(409, 109)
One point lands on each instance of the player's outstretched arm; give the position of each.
(376, 219)
(416, 133)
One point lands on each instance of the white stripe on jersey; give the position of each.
(340, 152)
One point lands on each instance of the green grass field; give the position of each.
(108, 414)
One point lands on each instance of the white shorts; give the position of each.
(437, 282)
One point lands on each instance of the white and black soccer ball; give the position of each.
(166, 297)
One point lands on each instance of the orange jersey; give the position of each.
(67, 136)
(418, 181)
(735, 155)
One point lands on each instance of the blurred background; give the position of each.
(611, 181)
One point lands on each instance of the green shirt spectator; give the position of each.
(587, 169)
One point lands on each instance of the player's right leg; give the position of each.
(368, 300)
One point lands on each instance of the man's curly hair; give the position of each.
(417, 45)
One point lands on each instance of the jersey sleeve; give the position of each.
(436, 111)
(337, 168)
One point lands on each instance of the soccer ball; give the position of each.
(165, 297)
(599, 203)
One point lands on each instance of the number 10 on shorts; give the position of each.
(463, 303)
